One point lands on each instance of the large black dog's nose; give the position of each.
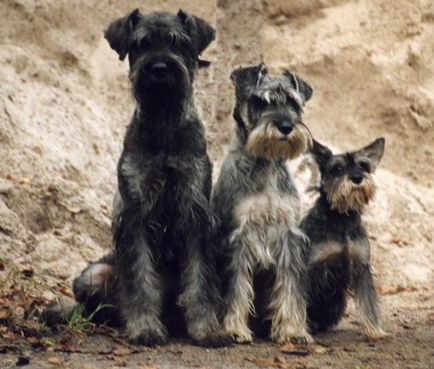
(356, 178)
(159, 70)
(285, 127)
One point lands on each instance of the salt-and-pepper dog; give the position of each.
(163, 264)
(257, 207)
(339, 254)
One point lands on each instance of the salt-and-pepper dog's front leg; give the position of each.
(288, 296)
(367, 301)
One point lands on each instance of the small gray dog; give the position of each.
(339, 253)
(257, 207)
(162, 270)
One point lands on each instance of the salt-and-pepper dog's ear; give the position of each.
(200, 31)
(246, 79)
(119, 33)
(374, 152)
(302, 87)
(321, 153)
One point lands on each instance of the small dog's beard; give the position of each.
(267, 142)
(343, 195)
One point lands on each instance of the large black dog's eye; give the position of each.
(365, 166)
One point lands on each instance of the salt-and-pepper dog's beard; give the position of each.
(343, 195)
(268, 142)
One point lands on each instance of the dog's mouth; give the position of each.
(268, 142)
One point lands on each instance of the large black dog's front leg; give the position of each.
(200, 296)
(139, 285)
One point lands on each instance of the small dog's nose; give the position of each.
(357, 178)
(285, 127)
(159, 69)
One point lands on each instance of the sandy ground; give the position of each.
(64, 105)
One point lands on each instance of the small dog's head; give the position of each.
(163, 51)
(346, 179)
(268, 112)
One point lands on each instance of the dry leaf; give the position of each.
(4, 314)
(66, 292)
(393, 290)
(291, 349)
(122, 351)
(56, 360)
(37, 150)
(73, 209)
(317, 349)
(430, 317)
(399, 241)
(24, 180)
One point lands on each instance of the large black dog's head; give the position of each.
(163, 51)
(346, 178)
(268, 112)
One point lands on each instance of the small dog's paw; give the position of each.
(150, 338)
(242, 337)
(214, 340)
(375, 333)
(295, 337)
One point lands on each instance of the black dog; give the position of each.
(163, 267)
(340, 252)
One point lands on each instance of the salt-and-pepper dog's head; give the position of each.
(163, 51)
(346, 179)
(268, 112)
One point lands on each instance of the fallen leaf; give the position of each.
(317, 349)
(2, 266)
(430, 317)
(24, 180)
(9, 177)
(122, 351)
(4, 314)
(56, 360)
(73, 209)
(399, 241)
(393, 290)
(66, 292)
(37, 150)
(291, 349)
(26, 271)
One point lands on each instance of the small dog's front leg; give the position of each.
(367, 301)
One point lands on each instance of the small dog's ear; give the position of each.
(119, 33)
(374, 152)
(246, 79)
(302, 87)
(321, 153)
(200, 31)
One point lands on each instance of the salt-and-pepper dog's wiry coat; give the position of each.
(163, 265)
(257, 207)
(339, 254)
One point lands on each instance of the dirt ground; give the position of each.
(64, 105)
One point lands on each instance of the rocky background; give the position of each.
(65, 102)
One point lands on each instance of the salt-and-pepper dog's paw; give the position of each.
(219, 339)
(374, 333)
(149, 337)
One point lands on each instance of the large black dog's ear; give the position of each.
(200, 31)
(302, 87)
(119, 33)
(246, 79)
(374, 152)
(321, 153)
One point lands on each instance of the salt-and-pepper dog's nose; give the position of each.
(357, 178)
(285, 127)
(159, 70)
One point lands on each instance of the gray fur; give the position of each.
(257, 209)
